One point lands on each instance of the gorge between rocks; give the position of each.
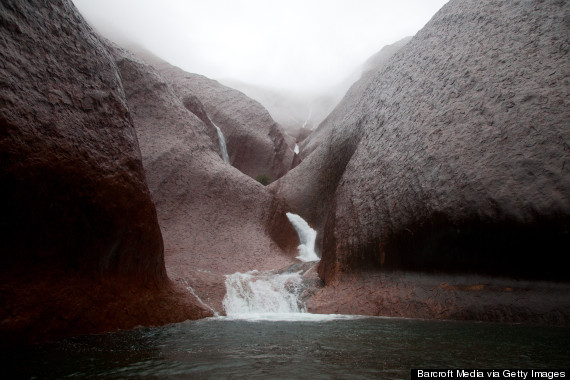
(157, 222)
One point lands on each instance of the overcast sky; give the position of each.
(306, 45)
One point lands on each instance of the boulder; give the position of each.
(452, 157)
(81, 246)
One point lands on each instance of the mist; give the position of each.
(301, 46)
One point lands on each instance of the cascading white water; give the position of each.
(223, 147)
(267, 295)
(307, 237)
(255, 292)
(296, 150)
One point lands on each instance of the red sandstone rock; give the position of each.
(214, 219)
(455, 151)
(431, 296)
(309, 189)
(256, 144)
(78, 225)
(453, 158)
(371, 67)
(464, 144)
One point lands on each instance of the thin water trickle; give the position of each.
(222, 143)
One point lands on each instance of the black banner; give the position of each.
(524, 374)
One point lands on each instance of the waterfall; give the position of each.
(257, 292)
(307, 237)
(270, 295)
(296, 150)
(222, 143)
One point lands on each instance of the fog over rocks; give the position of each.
(256, 144)
(336, 117)
(453, 156)
(463, 157)
(439, 185)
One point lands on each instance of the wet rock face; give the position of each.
(350, 101)
(256, 144)
(70, 158)
(76, 207)
(445, 296)
(309, 190)
(462, 161)
(215, 220)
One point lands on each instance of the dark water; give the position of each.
(347, 348)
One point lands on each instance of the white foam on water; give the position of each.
(257, 292)
(307, 237)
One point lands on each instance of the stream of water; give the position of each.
(221, 143)
(268, 335)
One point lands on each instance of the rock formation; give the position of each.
(295, 110)
(454, 157)
(256, 144)
(463, 157)
(214, 219)
(372, 66)
(309, 189)
(81, 245)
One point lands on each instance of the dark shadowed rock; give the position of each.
(81, 247)
(215, 220)
(445, 296)
(462, 163)
(256, 143)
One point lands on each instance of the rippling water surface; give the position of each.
(277, 346)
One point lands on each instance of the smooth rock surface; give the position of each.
(256, 144)
(215, 220)
(80, 242)
(445, 296)
(453, 158)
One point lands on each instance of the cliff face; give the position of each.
(336, 118)
(454, 155)
(215, 220)
(309, 189)
(82, 250)
(256, 144)
(462, 163)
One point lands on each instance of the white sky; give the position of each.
(306, 45)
